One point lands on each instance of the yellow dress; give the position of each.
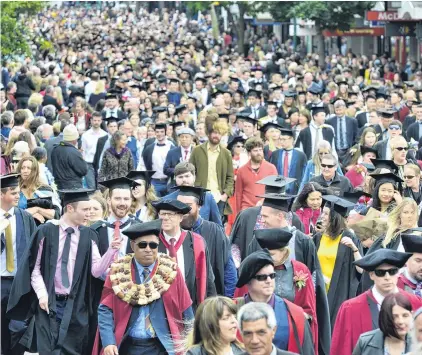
(327, 254)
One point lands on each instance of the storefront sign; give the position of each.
(382, 16)
(355, 32)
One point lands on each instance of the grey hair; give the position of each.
(324, 144)
(254, 311)
(49, 89)
(49, 111)
(339, 103)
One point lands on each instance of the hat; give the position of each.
(117, 183)
(171, 205)
(354, 197)
(385, 164)
(412, 243)
(254, 92)
(160, 125)
(369, 167)
(364, 150)
(385, 113)
(10, 180)
(248, 118)
(382, 256)
(180, 108)
(138, 230)
(236, 139)
(159, 109)
(251, 265)
(279, 202)
(269, 125)
(383, 178)
(339, 205)
(274, 238)
(194, 191)
(186, 130)
(69, 196)
(141, 175)
(70, 133)
(275, 183)
(315, 89)
(317, 109)
(286, 132)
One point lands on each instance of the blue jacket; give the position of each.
(310, 173)
(174, 157)
(133, 147)
(208, 211)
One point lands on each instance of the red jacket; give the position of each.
(307, 215)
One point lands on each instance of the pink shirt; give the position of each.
(99, 264)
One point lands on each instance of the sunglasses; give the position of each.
(382, 273)
(327, 166)
(408, 177)
(402, 148)
(394, 127)
(143, 245)
(264, 277)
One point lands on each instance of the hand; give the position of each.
(39, 217)
(111, 350)
(116, 244)
(224, 197)
(32, 210)
(44, 304)
(397, 197)
(348, 242)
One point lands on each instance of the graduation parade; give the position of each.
(168, 187)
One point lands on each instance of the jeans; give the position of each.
(132, 346)
(90, 177)
(160, 187)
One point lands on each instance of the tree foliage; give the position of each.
(14, 32)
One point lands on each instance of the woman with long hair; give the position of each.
(215, 328)
(80, 115)
(143, 194)
(399, 148)
(303, 121)
(35, 197)
(313, 167)
(117, 160)
(98, 94)
(98, 209)
(147, 110)
(271, 136)
(238, 101)
(395, 324)
(367, 139)
(337, 248)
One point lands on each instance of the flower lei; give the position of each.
(300, 278)
(143, 294)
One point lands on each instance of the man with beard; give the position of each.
(187, 248)
(119, 201)
(275, 213)
(213, 163)
(254, 170)
(217, 243)
(411, 278)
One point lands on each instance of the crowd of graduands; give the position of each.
(162, 193)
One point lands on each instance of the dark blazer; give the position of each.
(278, 352)
(174, 157)
(49, 145)
(305, 139)
(372, 343)
(340, 183)
(120, 115)
(382, 147)
(413, 132)
(362, 119)
(408, 120)
(99, 150)
(262, 112)
(351, 129)
(50, 100)
(147, 155)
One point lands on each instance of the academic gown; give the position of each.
(199, 276)
(345, 280)
(405, 284)
(72, 336)
(244, 226)
(357, 316)
(306, 253)
(168, 314)
(218, 248)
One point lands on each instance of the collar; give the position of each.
(111, 219)
(313, 124)
(410, 278)
(273, 351)
(216, 150)
(11, 212)
(168, 237)
(378, 297)
(63, 225)
(141, 267)
(197, 224)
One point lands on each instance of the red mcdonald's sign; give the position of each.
(382, 16)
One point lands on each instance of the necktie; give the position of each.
(286, 164)
(418, 291)
(145, 274)
(10, 259)
(65, 257)
(172, 249)
(116, 233)
(186, 155)
(341, 132)
(316, 140)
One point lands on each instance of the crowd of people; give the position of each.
(162, 193)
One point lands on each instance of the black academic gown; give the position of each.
(219, 250)
(345, 280)
(190, 269)
(72, 336)
(306, 253)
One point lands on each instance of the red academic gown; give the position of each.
(304, 298)
(405, 284)
(354, 318)
(176, 300)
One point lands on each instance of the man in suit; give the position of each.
(345, 129)
(383, 147)
(255, 108)
(103, 143)
(363, 116)
(180, 154)
(155, 155)
(415, 129)
(289, 161)
(112, 108)
(16, 228)
(314, 93)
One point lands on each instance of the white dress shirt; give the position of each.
(180, 254)
(12, 221)
(159, 158)
(89, 143)
(380, 298)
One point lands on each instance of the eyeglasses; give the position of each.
(402, 148)
(166, 215)
(327, 166)
(394, 127)
(409, 177)
(143, 245)
(264, 277)
(382, 273)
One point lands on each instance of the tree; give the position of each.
(326, 14)
(14, 33)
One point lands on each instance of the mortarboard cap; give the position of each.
(315, 89)
(412, 243)
(369, 167)
(271, 103)
(194, 191)
(289, 94)
(287, 132)
(138, 230)
(382, 256)
(254, 92)
(235, 140)
(159, 109)
(171, 205)
(111, 95)
(317, 109)
(200, 78)
(251, 265)
(385, 164)
(193, 97)
(70, 196)
(274, 238)
(117, 183)
(278, 201)
(339, 205)
(364, 150)
(180, 108)
(141, 175)
(383, 178)
(11, 180)
(275, 183)
(354, 197)
(160, 125)
(385, 113)
(269, 125)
